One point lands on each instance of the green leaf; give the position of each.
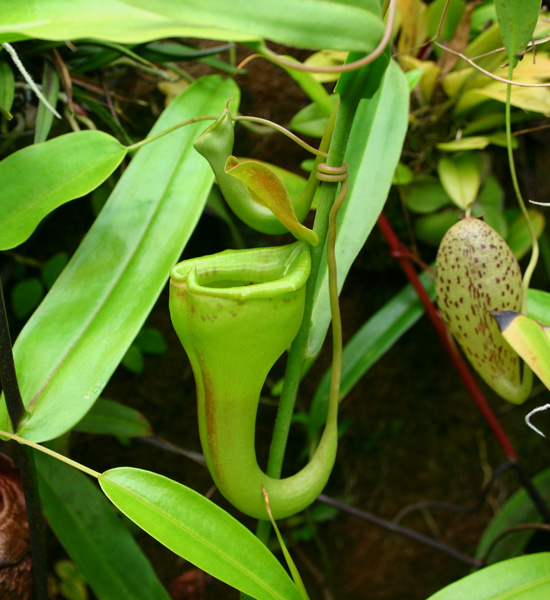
(7, 89)
(26, 296)
(430, 229)
(39, 178)
(368, 345)
(519, 237)
(50, 89)
(403, 175)
(53, 268)
(199, 531)
(453, 15)
(312, 119)
(93, 535)
(529, 338)
(296, 577)
(339, 25)
(517, 510)
(539, 306)
(133, 360)
(517, 20)
(112, 418)
(521, 578)
(372, 155)
(112, 20)
(76, 338)
(461, 177)
(151, 341)
(425, 196)
(335, 25)
(477, 142)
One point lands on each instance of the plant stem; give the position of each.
(535, 252)
(45, 450)
(27, 470)
(8, 378)
(344, 120)
(25, 460)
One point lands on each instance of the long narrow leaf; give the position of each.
(93, 535)
(112, 20)
(44, 116)
(72, 344)
(338, 25)
(372, 156)
(199, 531)
(521, 578)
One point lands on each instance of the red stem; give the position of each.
(399, 250)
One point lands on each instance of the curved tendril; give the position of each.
(275, 58)
(470, 61)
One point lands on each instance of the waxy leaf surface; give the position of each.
(517, 20)
(522, 578)
(76, 338)
(338, 25)
(199, 531)
(41, 177)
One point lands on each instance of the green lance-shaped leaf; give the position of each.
(93, 535)
(517, 20)
(7, 89)
(268, 190)
(529, 338)
(338, 25)
(41, 177)
(78, 335)
(521, 578)
(235, 314)
(44, 116)
(199, 531)
(476, 272)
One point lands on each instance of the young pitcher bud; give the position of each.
(476, 273)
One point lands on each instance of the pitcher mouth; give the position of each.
(255, 273)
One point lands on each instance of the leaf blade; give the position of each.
(198, 530)
(517, 20)
(521, 578)
(78, 335)
(50, 174)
